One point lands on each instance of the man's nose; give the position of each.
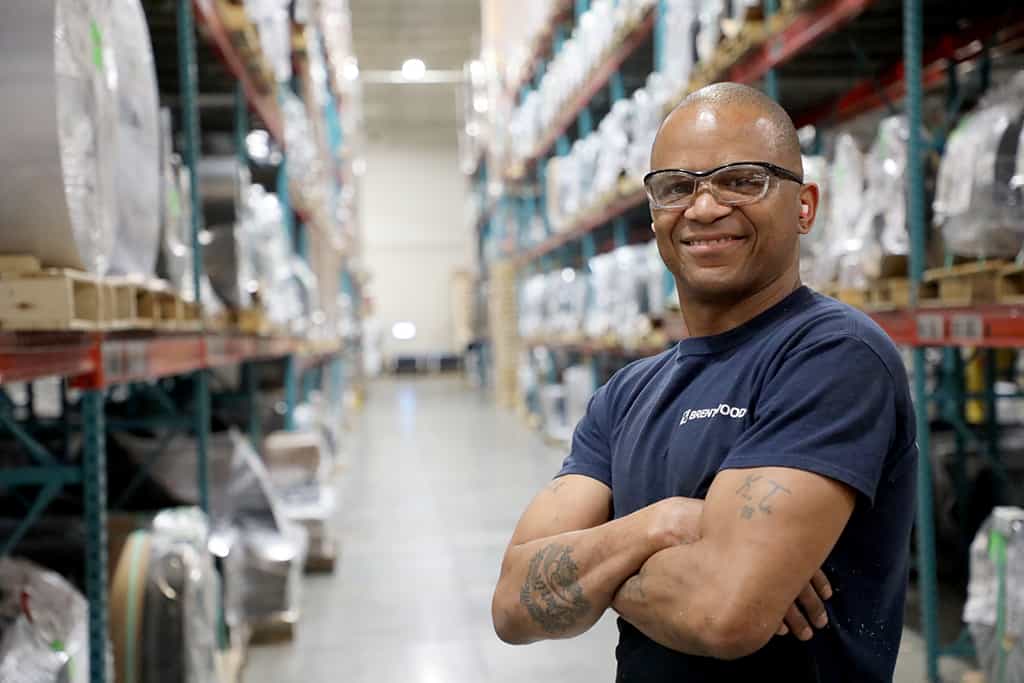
(705, 209)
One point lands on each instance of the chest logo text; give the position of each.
(723, 409)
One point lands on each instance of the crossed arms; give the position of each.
(715, 578)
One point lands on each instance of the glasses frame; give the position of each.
(703, 177)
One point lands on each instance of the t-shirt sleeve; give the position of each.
(830, 408)
(590, 453)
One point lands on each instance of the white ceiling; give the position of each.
(443, 33)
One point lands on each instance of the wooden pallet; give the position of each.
(274, 630)
(246, 40)
(967, 284)
(51, 299)
(322, 562)
(1010, 286)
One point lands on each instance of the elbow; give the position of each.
(736, 634)
(503, 610)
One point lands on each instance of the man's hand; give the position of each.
(808, 609)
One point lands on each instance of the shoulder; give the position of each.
(832, 327)
(619, 392)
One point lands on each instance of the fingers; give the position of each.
(821, 585)
(812, 606)
(783, 630)
(798, 624)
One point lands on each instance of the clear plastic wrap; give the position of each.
(181, 599)
(579, 387)
(307, 176)
(847, 187)
(613, 153)
(86, 109)
(814, 265)
(296, 458)
(60, 139)
(44, 626)
(274, 27)
(176, 260)
(605, 295)
(138, 142)
(312, 507)
(979, 199)
(227, 263)
(879, 229)
(532, 307)
(996, 587)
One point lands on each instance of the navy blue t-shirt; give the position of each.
(810, 384)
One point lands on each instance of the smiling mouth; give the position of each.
(711, 243)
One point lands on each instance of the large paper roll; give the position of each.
(58, 88)
(138, 151)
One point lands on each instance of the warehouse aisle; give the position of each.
(436, 478)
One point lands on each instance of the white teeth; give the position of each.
(702, 243)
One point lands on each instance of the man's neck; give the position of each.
(704, 319)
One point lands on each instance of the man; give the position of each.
(707, 485)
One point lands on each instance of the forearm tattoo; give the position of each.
(552, 593)
(757, 488)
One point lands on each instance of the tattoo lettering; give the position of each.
(552, 593)
(763, 493)
(744, 490)
(776, 487)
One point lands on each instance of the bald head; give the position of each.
(724, 108)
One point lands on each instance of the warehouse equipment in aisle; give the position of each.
(565, 204)
(144, 368)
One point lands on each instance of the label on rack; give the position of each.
(967, 327)
(113, 361)
(931, 327)
(136, 359)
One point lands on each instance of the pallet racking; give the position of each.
(90, 363)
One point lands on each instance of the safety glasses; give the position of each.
(735, 184)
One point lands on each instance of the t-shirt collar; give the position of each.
(717, 343)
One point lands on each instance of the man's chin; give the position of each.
(713, 288)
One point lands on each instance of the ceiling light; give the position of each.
(480, 103)
(414, 70)
(403, 331)
(476, 70)
(351, 70)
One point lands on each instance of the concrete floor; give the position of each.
(435, 480)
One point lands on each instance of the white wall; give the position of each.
(414, 234)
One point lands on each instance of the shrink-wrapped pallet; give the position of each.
(138, 143)
(57, 192)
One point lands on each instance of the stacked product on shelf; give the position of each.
(60, 141)
(175, 261)
(43, 626)
(814, 245)
(592, 38)
(263, 553)
(300, 469)
(994, 611)
(164, 595)
(137, 240)
(979, 199)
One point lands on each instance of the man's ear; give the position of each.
(810, 196)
